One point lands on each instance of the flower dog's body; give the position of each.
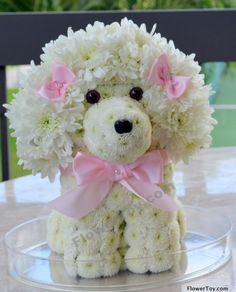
(113, 95)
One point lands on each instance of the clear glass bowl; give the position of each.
(206, 247)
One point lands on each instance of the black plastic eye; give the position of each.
(136, 93)
(92, 96)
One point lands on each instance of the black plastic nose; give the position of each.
(123, 126)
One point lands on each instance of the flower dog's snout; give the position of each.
(123, 126)
(117, 129)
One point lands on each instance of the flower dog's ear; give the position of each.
(61, 78)
(160, 74)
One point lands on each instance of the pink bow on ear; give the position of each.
(55, 90)
(160, 75)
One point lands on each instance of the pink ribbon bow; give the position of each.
(55, 90)
(95, 177)
(160, 75)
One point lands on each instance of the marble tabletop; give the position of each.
(208, 181)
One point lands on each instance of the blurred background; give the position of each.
(221, 75)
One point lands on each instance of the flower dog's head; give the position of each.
(115, 91)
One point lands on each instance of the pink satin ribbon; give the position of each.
(95, 177)
(55, 90)
(160, 75)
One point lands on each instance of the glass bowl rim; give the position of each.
(212, 242)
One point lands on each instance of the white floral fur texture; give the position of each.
(124, 232)
(112, 59)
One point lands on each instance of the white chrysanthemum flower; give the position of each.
(87, 241)
(89, 266)
(178, 126)
(160, 261)
(109, 242)
(131, 214)
(135, 235)
(98, 265)
(43, 133)
(55, 231)
(111, 264)
(175, 243)
(136, 260)
(174, 235)
(155, 217)
(119, 198)
(56, 240)
(157, 239)
(109, 90)
(100, 220)
(88, 221)
(106, 219)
